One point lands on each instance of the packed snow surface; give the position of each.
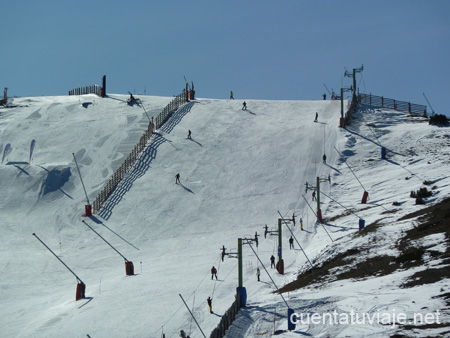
(239, 169)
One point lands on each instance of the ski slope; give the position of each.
(239, 169)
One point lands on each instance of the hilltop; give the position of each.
(237, 172)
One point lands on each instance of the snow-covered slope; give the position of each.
(237, 172)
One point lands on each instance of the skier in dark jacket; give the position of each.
(209, 300)
(177, 178)
(317, 116)
(272, 261)
(291, 243)
(244, 106)
(213, 272)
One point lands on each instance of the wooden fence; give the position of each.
(93, 89)
(227, 319)
(380, 101)
(171, 107)
(345, 120)
(120, 173)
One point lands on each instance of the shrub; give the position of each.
(438, 119)
(421, 193)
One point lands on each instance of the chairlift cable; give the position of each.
(215, 282)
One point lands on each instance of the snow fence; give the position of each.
(120, 173)
(227, 319)
(381, 101)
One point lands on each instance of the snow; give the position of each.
(237, 172)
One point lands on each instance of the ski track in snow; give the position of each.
(239, 169)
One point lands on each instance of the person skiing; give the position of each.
(293, 219)
(244, 106)
(258, 273)
(291, 243)
(317, 116)
(131, 100)
(177, 178)
(272, 261)
(213, 272)
(301, 224)
(189, 134)
(209, 300)
(231, 96)
(324, 159)
(324, 96)
(314, 195)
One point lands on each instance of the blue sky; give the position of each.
(259, 49)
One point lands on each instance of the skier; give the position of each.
(291, 243)
(231, 96)
(272, 261)
(317, 116)
(324, 96)
(324, 159)
(301, 224)
(189, 134)
(293, 219)
(131, 100)
(314, 195)
(209, 300)
(213, 272)
(244, 106)
(177, 178)
(258, 273)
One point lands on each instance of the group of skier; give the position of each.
(244, 105)
(189, 136)
(291, 240)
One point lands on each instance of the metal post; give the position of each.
(192, 315)
(318, 201)
(280, 243)
(432, 110)
(312, 267)
(78, 278)
(104, 86)
(87, 198)
(126, 260)
(240, 262)
(342, 102)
